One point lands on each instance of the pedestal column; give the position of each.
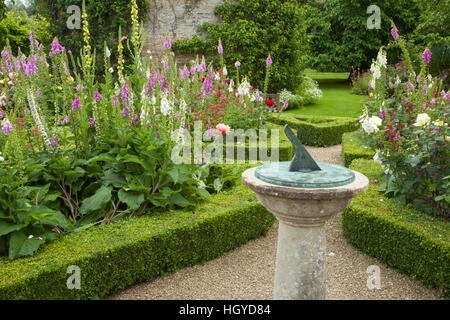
(302, 212)
(300, 263)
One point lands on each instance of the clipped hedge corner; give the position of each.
(285, 149)
(399, 236)
(115, 257)
(316, 130)
(353, 148)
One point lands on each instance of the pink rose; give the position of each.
(222, 128)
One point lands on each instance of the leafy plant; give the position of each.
(250, 30)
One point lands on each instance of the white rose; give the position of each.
(376, 121)
(369, 126)
(422, 120)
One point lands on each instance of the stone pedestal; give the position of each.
(302, 212)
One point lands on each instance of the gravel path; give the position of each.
(247, 273)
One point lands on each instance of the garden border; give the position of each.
(316, 131)
(115, 257)
(397, 235)
(352, 148)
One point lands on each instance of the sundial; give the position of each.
(303, 171)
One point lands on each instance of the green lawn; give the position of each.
(326, 75)
(337, 99)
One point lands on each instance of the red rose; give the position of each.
(270, 103)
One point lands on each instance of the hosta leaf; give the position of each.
(6, 228)
(204, 194)
(16, 242)
(174, 175)
(114, 179)
(132, 199)
(47, 216)
(43, 192)
(179, 200)
(96, 201)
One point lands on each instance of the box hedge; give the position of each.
(134, 250)
(353, 148)
(285, 149)
(398, 235)
(316, 130)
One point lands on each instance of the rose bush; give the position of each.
(406, 122)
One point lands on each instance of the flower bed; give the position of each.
(398, 235)
(78, 151)
(315, 130)
(139, 249)
(406, 123)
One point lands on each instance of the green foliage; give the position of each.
(250, 31)
(339, 37)
(315, 130)
(353, 148)
(16, 26)
(124, 177)
(434, 22)
(135, 250)
(2, 9)
(104, 18)
(25, 224)
(398, 235)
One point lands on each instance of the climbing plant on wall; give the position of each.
(251, 30)
(104, 17)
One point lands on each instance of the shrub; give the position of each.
(317, 131)
(294, 100)
(397, 234)
(309, 91)
(16, 27)
(250, 30)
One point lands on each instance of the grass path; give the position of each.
(337, 99)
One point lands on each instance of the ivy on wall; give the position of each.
(104, 18)
(251, 30)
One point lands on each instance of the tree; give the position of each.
(2, 9)
(339, 37)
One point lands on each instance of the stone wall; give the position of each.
(179, 18)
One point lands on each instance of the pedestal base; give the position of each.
(301, 263)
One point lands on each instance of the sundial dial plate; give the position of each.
(329, 176)
(303, 171)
